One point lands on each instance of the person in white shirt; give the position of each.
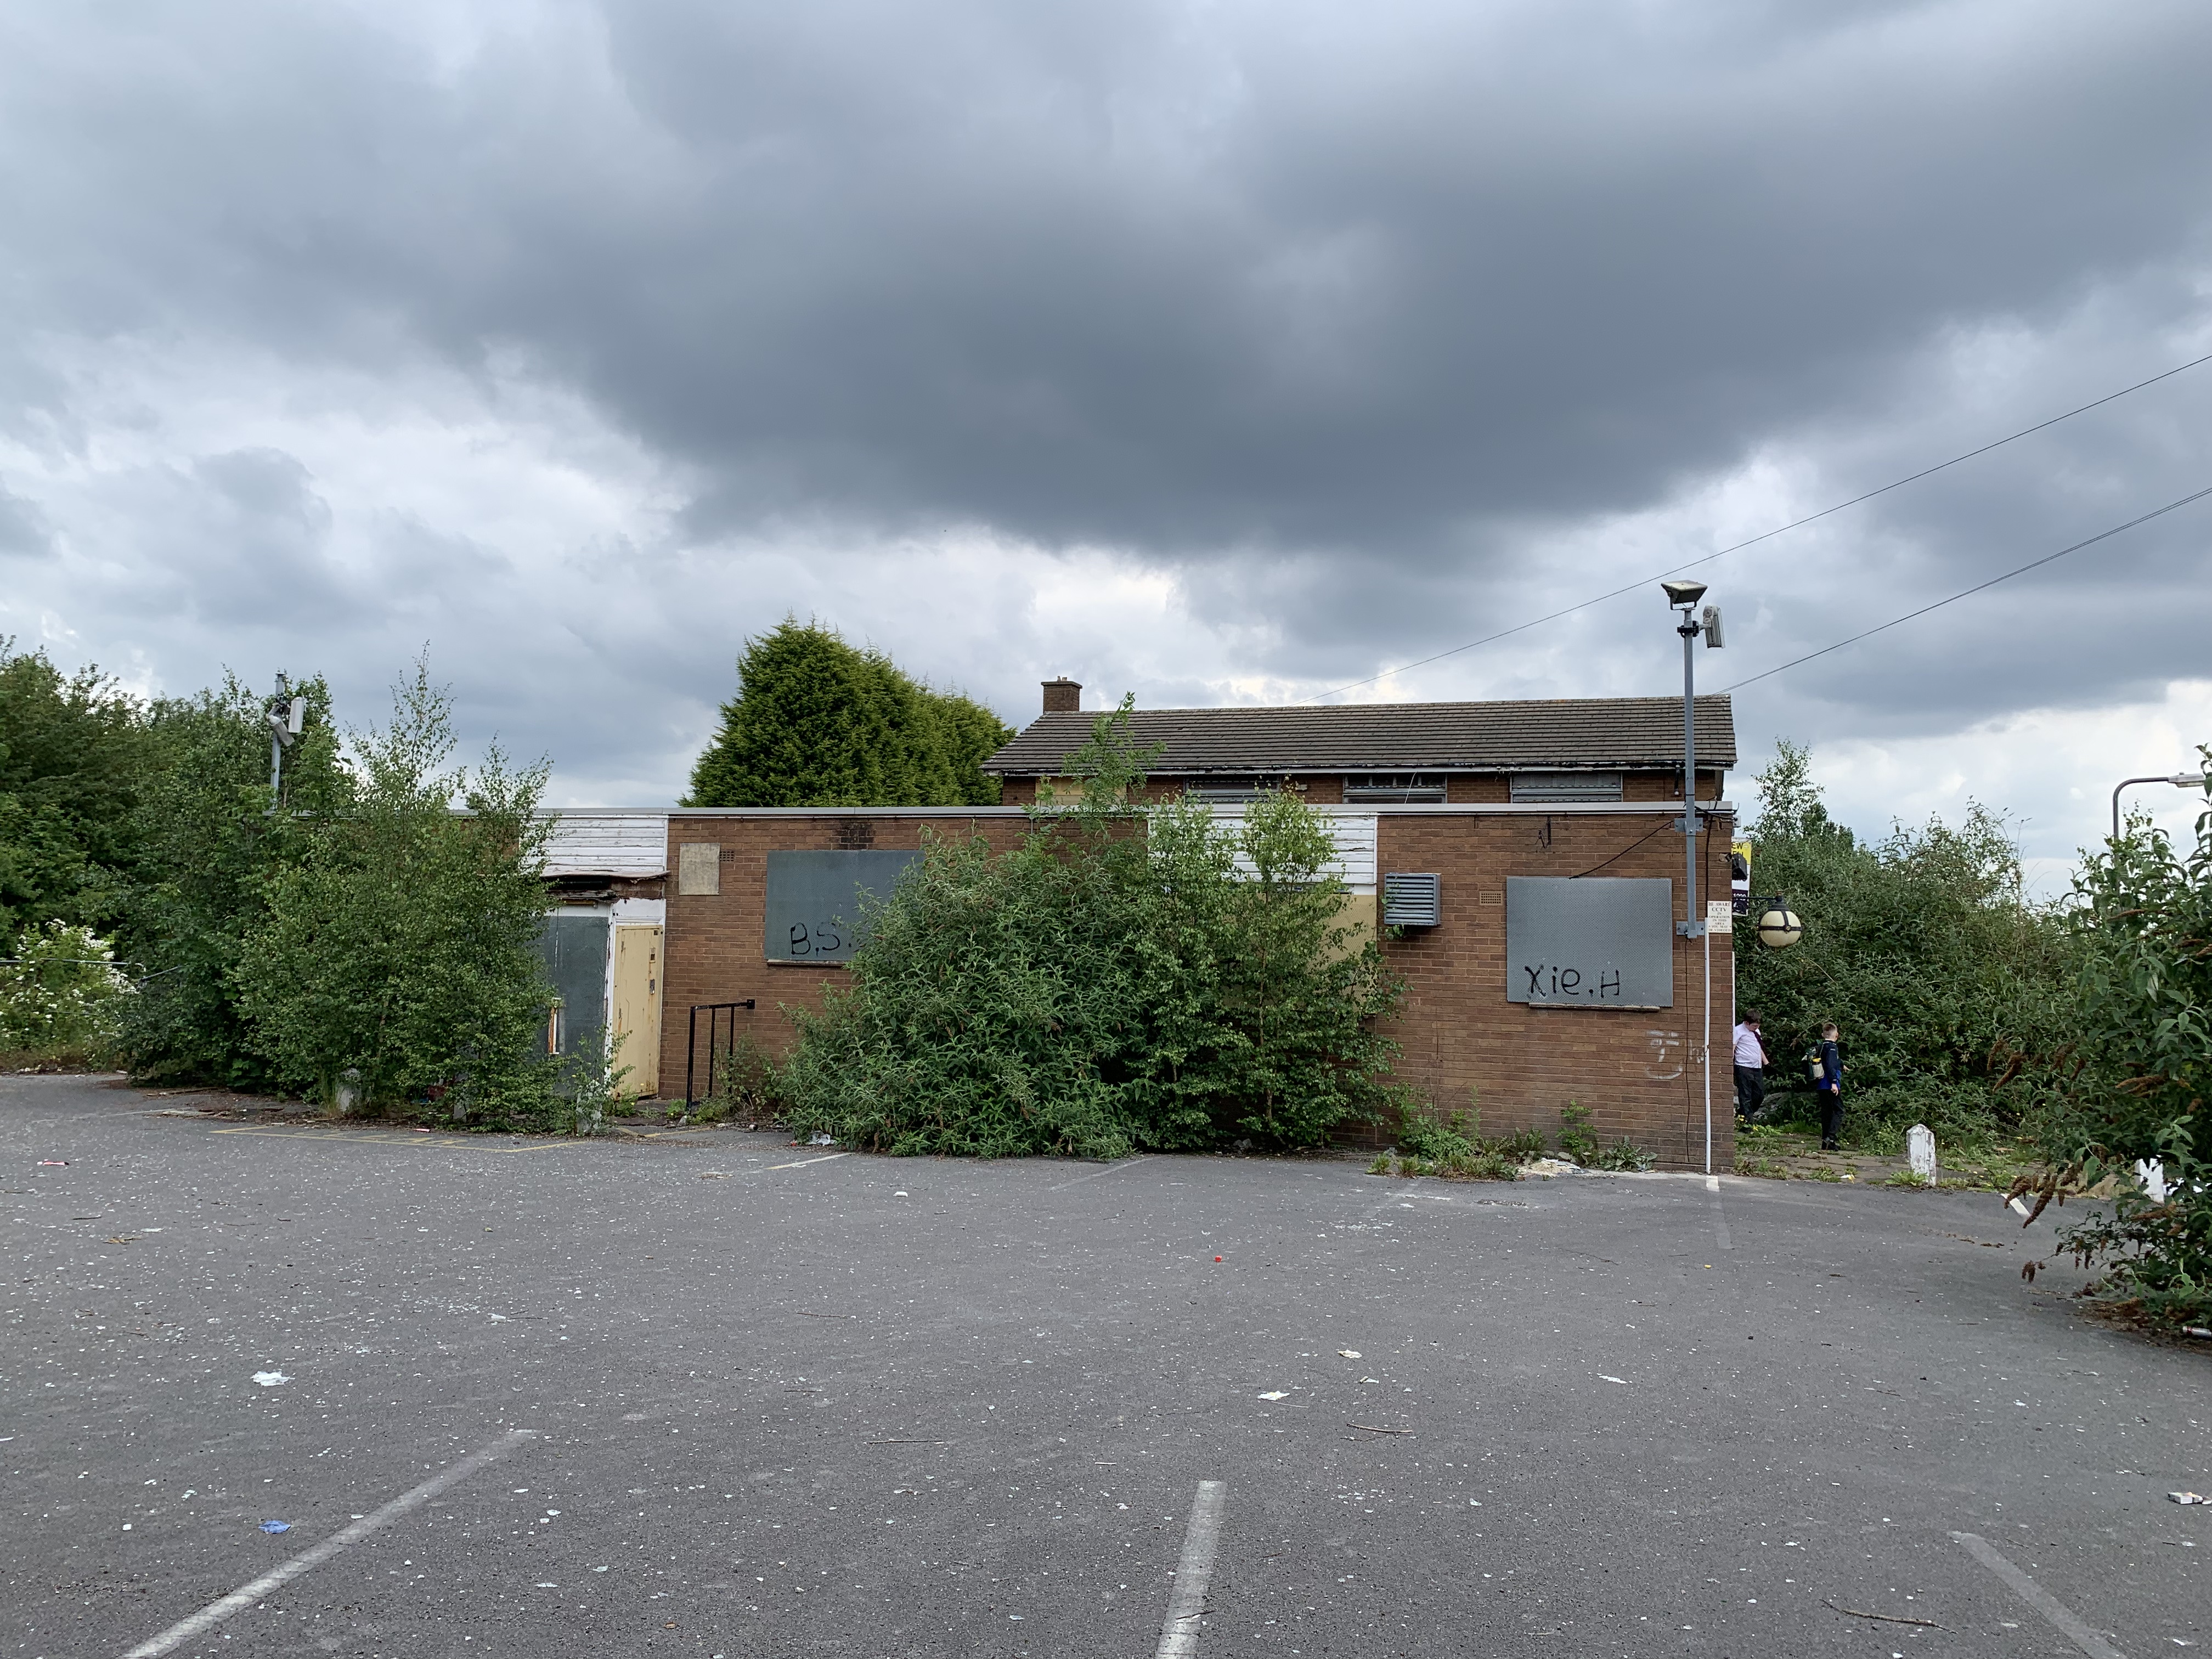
(1750, 1069)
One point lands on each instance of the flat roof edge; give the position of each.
(1447, 809)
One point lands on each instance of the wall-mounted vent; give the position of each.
(1230, 792)
(1386, 788)
(1412, 901)
(1566, 788)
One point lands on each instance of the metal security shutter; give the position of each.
(1566, 788)
(1227, 791)
(1412, 901)
(1404, 789)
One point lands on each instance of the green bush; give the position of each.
(1955, 995)
(747, 1087)
(401, 942)
(2144, 921)
(1440, 1136)
(1120, 980)
(61, 997)
(210, 840)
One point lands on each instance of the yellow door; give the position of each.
(637, 1006)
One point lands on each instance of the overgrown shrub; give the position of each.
(210, 840)
(1955, 994)
(747, 1088)
(1120, 980)
(61, 998)
(2144, 921)
(401, 943)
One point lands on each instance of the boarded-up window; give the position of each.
(816, 901)
(698, 869)
(573, 945)
(1596, 942)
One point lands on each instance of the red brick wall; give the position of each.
(1667, 785)
(716, 944)
(1635, 1071)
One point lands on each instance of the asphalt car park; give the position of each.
(281, 1389)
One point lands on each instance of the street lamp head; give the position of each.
(1779, 927)
(1683, 594)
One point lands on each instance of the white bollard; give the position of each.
(1920, 1153)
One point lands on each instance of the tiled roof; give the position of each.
(1630, 732)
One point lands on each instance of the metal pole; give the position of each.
(1693, 924)
(1688, 631)
(1709, 1051)
(2179, 779)
(690, 1051)
(281, 705)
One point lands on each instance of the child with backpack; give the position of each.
(1825, 1061)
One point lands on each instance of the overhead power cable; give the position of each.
(2033, 564)
(1795, 524)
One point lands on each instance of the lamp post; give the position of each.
(1684, 597)
(2179, 779)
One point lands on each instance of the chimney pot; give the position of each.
(1062, 696)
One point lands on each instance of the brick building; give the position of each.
(1524, 858)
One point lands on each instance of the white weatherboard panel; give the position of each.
(1352, 832)
(608, 844)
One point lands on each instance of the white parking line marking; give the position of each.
(246, 1594)
(1720, 1223)
(828, 1158)
(1098, 1175)
(2039, 1598)
(1187, 1601)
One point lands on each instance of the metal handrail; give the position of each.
(713, 1011)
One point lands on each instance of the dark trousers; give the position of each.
(1750, 1092)
(1831, 1118)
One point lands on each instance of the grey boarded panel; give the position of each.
(1598, 942)
(814, 900)
(573, 945)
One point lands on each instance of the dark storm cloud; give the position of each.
(1367, 323)
(1155, 277)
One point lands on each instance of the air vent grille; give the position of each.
(1412, 900)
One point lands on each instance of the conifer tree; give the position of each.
(817, 722)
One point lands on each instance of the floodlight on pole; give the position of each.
(286, 713)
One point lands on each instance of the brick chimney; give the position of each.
(1062, 696)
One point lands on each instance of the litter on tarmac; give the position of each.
(2189, 1498)
(275, 1526)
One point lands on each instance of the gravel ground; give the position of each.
(773, 1402)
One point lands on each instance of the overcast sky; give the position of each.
(1219, 353)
